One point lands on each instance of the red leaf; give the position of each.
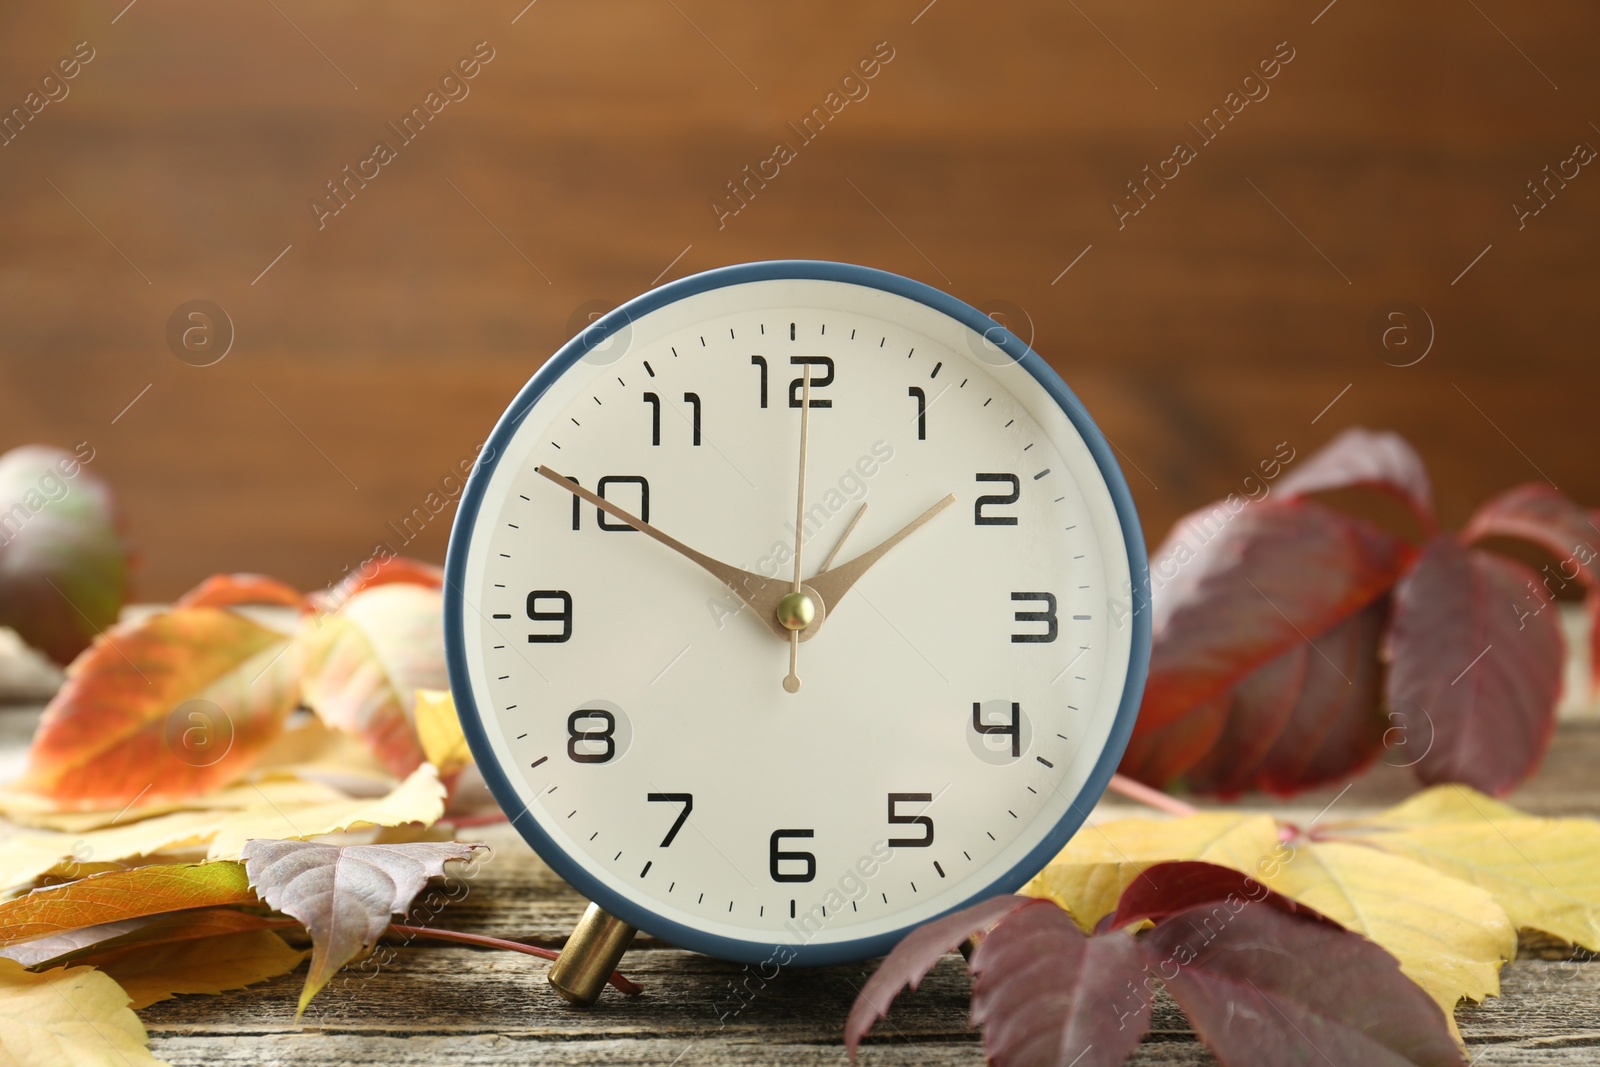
(1305, 718)
(1362, 458)
(1539, 514)
(230, 590)
(1251, 585)
(63, 563)
(1162, 755)
(1265, 987)
(1040, 988)
(915, 956)
(1486, 673)
(1166, 889)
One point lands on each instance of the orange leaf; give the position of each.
(163, 709)
(130, 894)
(227, 590)
(365, 663)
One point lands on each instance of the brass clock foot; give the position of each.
(591, 954)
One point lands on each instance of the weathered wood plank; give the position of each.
(429, 1000)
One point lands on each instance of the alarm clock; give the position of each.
(790, 606)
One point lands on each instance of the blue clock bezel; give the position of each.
(466, 521)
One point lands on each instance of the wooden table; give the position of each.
(447, 1004)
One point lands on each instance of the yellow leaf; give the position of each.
(28, 855)
(72, 1015)
(1544, 872)
(149, 973)
(1448, 803)
(1088, 876)
(31, 809)
(418, 799)
(130, 894)
(1449, 936)
(440, 731)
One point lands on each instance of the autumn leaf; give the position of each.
(915, 956)
(150, 973)
(1449, 935)
(163, 928)
(1544, 872)
(26, 856)
(1041, 989)
(234, 590)
(75, 1015)
(384, 570)
(1486, 679)
(116, 895)
(1539, 514)
(1091, 873)
(1261, 986)
(1362, 458)
(439, 730)
(1262, 581)
(1308, 716)
(1165, 889)
(418, 799)
(163, 709)
(345, 896)
(63, 563)
(365, 663)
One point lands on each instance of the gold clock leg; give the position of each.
(591, 954)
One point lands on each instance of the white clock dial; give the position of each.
(955, 702)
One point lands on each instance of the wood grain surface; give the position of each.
(581, 165)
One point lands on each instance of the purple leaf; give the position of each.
(1486, 675)
(1537, 513)
(1166, 889)
(916, 955)
(1264, 987)
(1045, 993)
(1308, 717)
(1234, 591)
(1363, 458)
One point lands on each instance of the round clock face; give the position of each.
(970, 653)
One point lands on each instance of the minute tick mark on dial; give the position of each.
(535, 763)
(1046, 762)
(938, 868)
(648, 369)
(1007, 424)
(502, 615)
(647, 867)
(936, 367)
(1041, 474)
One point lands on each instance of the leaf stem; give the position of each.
(618, 981)
(1154, 798)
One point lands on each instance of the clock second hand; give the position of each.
(796, 611)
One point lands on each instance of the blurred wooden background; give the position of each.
(376, 351)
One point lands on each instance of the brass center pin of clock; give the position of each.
(796, 610)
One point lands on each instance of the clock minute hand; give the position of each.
(834, 583)
(758, 592)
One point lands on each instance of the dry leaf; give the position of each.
(1449, 936)
(365, 663)
(439, 729)
(74, 1015)
(149, 973)
(28, 855)
(104, 898)
(163, 709)
(1544, 872)
(30, 809)
(1088, 876)
(346, 897)
(191, 925)
(418, 799)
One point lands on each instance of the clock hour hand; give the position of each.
(758, 592)
(834, 583)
